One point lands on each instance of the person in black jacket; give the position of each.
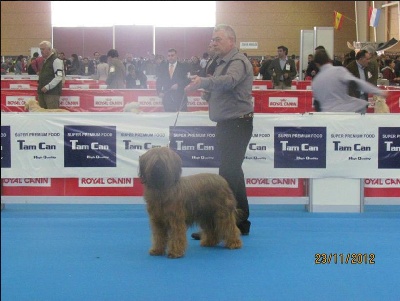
(171, 82)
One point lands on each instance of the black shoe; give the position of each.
(244, 227)
(196, 235)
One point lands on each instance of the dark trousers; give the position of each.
(48, 101)
(233, 137)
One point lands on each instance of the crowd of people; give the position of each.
(388, 64)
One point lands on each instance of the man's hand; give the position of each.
(194, 85)
(44, 89)
(385, 93)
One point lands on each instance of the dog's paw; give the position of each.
(156, 252)
(175, 255)
(237, 244)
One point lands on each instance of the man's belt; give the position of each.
(248, 115)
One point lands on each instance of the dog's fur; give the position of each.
(175, 202)
(133, 107)
(33, 106)
(380, 105)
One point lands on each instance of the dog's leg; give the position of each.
(159, 237)
(230, 232)
(177, 242)
(209, 235)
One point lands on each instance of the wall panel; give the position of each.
(96, 39)
(25, 24)
(134, 39)
(68, 40)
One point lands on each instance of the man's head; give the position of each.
(45, 49)
(282, 52)
(172, 56)
(321, 57)
(370, 49)
(96, 55)
(112, 53)
(363, 57)
(129, 57)
(223, 39)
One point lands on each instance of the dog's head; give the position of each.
(160, 168)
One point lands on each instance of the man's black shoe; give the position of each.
(244, 227)
(196, 235)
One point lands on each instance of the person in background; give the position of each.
(86, 68)
(204, 60)
(230, 106)
(94, 62)
(4, 68)
(19, 65)
(359, 68)
(349, 57)
(66, 62)
(129, 61)
(389, 73)
(312, 68)
(282, 70)
(135, 79)
(101, 69)
(75, 67)
(373, 65)
(194, 66)
(210, 65)
(37, 66)
(264, 68)
(397, 66)
(116, 71)
(50, 78)
(330, 87)
(30, 69)
(171, 82)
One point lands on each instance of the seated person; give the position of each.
(389, 73)
(135, 79)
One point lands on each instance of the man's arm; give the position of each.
(58, 75)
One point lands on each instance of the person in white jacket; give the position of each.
(330, 87)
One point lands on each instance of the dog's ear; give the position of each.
(142, 167)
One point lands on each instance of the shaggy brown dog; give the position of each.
(175, 202)
(380, 105)
(33, 106)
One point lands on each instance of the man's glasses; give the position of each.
(216, 40)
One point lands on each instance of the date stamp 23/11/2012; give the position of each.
(344, 258)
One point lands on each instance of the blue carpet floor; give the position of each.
(100, 252)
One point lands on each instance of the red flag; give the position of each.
(338, 20)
